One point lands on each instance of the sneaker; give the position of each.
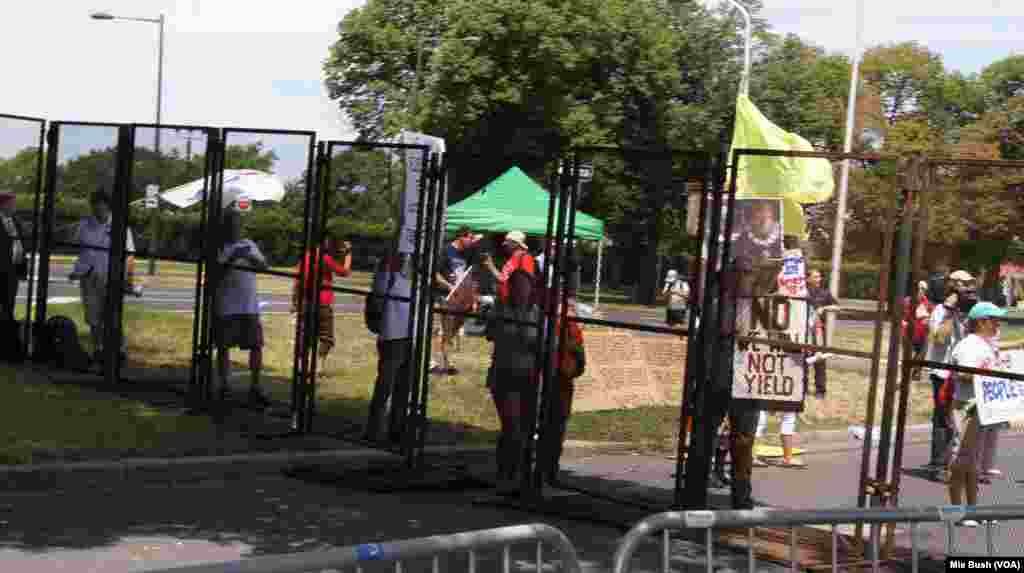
(968, 523)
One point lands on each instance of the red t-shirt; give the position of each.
(521, 260)
(331, 267)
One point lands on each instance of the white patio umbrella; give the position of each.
(238, 184)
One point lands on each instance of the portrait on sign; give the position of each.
(757, 229)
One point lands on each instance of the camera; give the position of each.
(966, 298)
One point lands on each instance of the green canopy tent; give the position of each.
(514, 201)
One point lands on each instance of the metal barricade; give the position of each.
(749, 519)
(400, 552)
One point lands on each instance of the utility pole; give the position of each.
(844, 177)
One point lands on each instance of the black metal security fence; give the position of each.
(195, 169)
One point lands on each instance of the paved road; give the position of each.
(831, 479)
(182, 300)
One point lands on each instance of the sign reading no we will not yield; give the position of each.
(773, 376)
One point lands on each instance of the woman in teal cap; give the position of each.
(977, 350)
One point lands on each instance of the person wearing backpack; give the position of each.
(570, 364)
(512, 327)
(390, 320)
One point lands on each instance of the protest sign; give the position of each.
(773, 376)
(998, 399)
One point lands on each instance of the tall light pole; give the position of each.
(844, 176)
(747, 39)
(159, 21)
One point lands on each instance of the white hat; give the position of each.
(961, 276)
(671, 276)
(516, 237)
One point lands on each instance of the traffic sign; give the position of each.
(152, 196)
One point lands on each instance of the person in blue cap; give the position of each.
(971, 441)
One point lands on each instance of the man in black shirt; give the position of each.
(820, 301)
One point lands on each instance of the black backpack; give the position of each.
(59, 345)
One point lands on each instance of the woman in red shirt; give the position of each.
(330, 256)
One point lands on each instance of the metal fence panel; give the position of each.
(356, 557)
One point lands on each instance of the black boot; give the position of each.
(742, 495)
(719, 478)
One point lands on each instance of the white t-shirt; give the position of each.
(973, 352)
(940, 352)
(237, 292)
(92, 233)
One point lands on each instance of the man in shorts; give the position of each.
(237, 319)
(453, 266)
(330, 253)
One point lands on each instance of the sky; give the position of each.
(258, 64)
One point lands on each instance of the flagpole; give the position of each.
(844, 177)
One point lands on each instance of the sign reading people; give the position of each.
(773, 376)
(998, 399)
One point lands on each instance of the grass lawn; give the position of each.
(44, 421)
(459, 406)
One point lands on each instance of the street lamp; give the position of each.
(747, 37)
(159, 21)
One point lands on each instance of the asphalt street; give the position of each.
(183, 300)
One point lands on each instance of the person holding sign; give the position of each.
(978, 350)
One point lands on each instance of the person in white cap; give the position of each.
(677, 293)
(519, 258)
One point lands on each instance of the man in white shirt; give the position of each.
(237, 316)
(394, 352)
(91, 267)
(946, 328)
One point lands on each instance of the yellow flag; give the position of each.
(794, 180)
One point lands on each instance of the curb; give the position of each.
(79, 475)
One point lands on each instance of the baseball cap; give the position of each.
(961, 275)
(985, 310)
(671, 276)
(517, 237)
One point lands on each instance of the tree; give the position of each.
(909, 78)
(1003, 81)
(19, 173)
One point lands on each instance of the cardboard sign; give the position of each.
(625, 370)
(770, 374)
(998, 399)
